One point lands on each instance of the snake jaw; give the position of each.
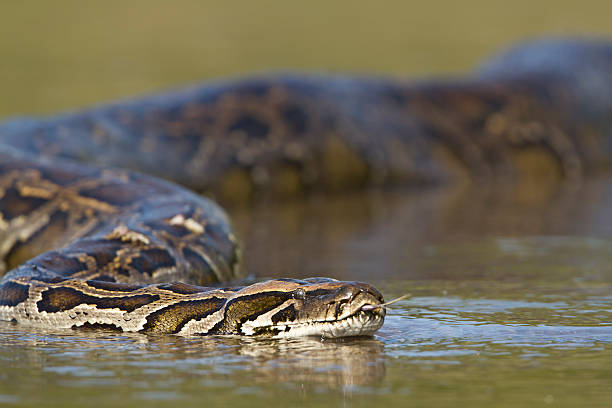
(362, 323)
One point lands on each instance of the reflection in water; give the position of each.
(378, 234)
(96, 358)
(331, 363)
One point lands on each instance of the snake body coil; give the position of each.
(88, 245)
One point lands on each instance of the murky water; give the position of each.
(511, 305)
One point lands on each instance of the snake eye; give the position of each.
(299, 293)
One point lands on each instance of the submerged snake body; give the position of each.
(91, 246)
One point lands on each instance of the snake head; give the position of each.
(312, 307)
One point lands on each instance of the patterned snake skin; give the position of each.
(88, 245)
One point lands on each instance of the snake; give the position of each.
(107, 218)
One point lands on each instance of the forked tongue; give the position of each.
(384, 305)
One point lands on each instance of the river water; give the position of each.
(510, 305)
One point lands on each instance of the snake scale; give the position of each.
(88, 240)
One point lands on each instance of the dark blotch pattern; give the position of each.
(59, 263)
(11, 294)
(253, 127)
(285, 315)
(267, 331)
(53, 279)
(65, 176)
(199, 270)
(321, 293)
(173, 318)
(182, 288)
(122, 271)
(41, 240)
(151, 260)
(114, 194)
(249, 307)
(103, 251)
(106, 285)
(61, 299)
(14, 204)
(105, 278)
(296, 119)
(219, 242)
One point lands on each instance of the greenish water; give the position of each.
(68, 54)
(494, 318)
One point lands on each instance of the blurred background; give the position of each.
(63, 54)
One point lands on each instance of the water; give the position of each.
(510, 305)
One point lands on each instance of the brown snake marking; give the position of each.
(88, 245)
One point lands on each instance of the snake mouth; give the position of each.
(363, 322)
